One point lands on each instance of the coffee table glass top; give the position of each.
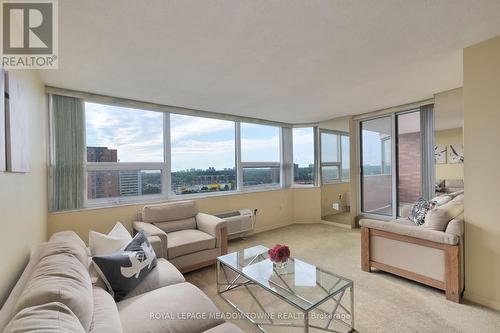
(299, 283)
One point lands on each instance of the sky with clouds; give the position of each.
(196, 142)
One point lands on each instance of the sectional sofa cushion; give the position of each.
(442, 199)
(412, 231)
(224, 328)
(459, 198)
(188, 241)
(69, 243)
(68, 236)
(123, 270)
(171, 216)
(178, 308)
(115, 240)
(177, 225)
(164, 274)
(106, 318)
(438, 218)
(51, 317)
(169, 211)
(60, 278)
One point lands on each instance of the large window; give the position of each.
(334, 157)
(125, 151)
(120, 154)
(303, 156)
(260, 155)
(203, 154)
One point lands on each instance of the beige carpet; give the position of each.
(382, 302)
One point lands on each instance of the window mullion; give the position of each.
(239, 165)
(166, 174)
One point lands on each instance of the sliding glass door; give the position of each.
(376, 166)
(409, 153)
(393, 159)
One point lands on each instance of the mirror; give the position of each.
(335, 171)
(448, 142)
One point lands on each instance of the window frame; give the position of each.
(338, 164)
(168, 156)
(258, 165)
(316, 140)
(165, 167)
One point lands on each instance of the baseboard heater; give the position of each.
(239, 222)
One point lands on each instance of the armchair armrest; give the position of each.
(150, 230)
(214, 226)
(155, 242)
(411, 231)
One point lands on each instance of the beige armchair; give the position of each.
(182, 235)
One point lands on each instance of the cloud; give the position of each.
(188, 127)
(136, 134)
(196, 142)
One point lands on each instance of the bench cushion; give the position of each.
(411, 231)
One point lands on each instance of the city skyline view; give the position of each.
(197, 143)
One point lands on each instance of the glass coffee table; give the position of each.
(299, 295)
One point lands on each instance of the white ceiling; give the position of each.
(292, 61)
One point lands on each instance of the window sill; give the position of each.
(107, 204)
(337, 182)
(304, 186)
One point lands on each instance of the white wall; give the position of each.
(481, 171)
(23, 197)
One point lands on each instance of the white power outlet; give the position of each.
(336, 206)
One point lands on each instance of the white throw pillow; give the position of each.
(115, 240)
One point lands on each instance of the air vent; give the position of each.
(228, 214)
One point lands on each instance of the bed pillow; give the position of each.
(123, 270)
(420, 209)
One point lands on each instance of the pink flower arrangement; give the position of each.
(279, 253)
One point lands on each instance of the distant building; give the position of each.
(101, 154)
(213, 179)
(102, 184)
(130, 183)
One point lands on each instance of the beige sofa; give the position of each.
(432, 254)
(55, 294)
(180, 233)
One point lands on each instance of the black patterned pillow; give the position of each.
(123, 270)
(420, 209)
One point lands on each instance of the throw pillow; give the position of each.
(123, 270)
(115, 240)
(420, 209)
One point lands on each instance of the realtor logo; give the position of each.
(29, 34)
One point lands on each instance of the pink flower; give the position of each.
(279, 253)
